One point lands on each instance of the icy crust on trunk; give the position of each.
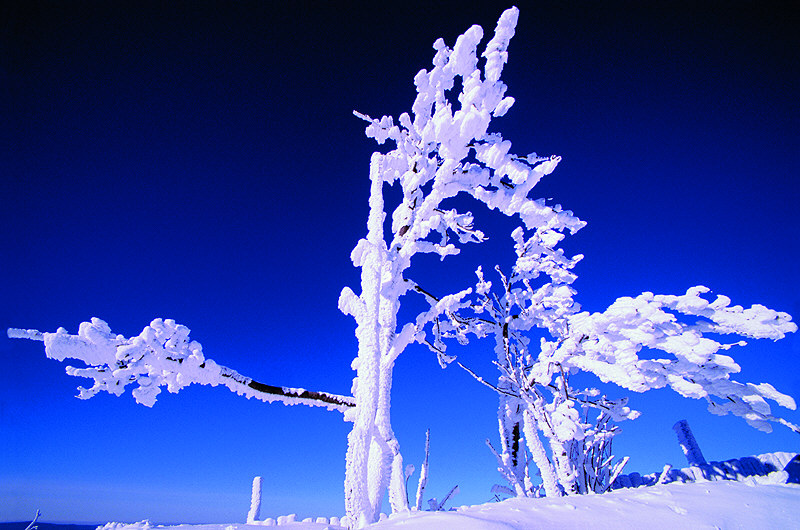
(161, 355)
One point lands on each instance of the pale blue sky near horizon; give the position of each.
(201, 162)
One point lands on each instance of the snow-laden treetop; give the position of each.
(448, 146)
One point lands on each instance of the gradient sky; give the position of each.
(202, 163)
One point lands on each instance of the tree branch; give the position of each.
(306, 397)
(485, 382)
(113, 363)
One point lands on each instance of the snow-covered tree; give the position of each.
(537, 295)
(449, 145)
(534, 389)
(617, 346)
(445, 150)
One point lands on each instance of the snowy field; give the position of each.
(724, 504)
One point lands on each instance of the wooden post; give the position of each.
(688, 443)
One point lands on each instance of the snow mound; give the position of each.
(724, 504)
(696, 505)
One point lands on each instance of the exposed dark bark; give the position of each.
(515, 437)
(303, 394)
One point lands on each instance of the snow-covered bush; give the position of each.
(580, 445)
(535, 394)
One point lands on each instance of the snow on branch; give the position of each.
(608, 345)
(447, 149)
(161, 355)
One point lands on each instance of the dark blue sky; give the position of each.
(202, 163)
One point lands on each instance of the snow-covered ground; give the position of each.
(753, 503)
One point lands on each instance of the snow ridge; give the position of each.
(736, 469)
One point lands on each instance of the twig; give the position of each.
(447, 497)
(423, 473)
(33, 526)
(664, 474)
(483, 381)
(617, 471)
(505, 470)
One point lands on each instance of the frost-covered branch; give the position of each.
(508, 473)
(436, 506)
(483, 381)
(608, 344)
(161, 355)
